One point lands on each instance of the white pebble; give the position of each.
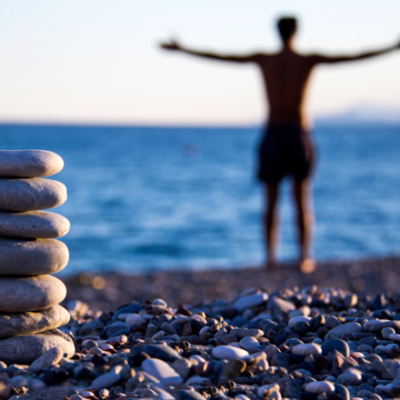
(204, 330)
(263, 365)
(106, 380)
(160, 302)
(51, 357)
(197, 358)
(267, 389)
(395, 337)
(307, 349)
(103, 393)
(199, 318)
(158, 335)
(320, 387)
(372, 322)
(228, 352)
(249, 343)
(386, 332)
(250, 301)
(351, 376)
(134, 320)
(161, 371)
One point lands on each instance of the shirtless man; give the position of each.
(286, 147)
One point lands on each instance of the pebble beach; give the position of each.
(242, 334)
(108, 291)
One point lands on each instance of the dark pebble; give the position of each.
(336, 344)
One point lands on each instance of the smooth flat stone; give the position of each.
(162, 371)
(47, 360)
(32, 257)
(108, 379)
(33, 224)
(277, 305)
(228, 352)
(31, 194)
(23, 294)
(27, 348)
(162, 352)
(307, 349)
(13, 324)
(29, 163)
(249, 342)
(320, 387)
(252, 300)
(340, 330)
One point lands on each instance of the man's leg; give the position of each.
(302, 193)
(270, 222)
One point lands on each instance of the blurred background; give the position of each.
(160, 148)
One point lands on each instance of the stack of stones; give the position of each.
(29, 295)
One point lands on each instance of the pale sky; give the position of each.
(97, 61)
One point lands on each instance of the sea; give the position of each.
(142, 199)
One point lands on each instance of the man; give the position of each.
(286, 148)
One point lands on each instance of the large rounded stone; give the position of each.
(31, 194)
(32, 257)
(29, 163)
(27, 348)
(33, 224)
(22, 294)
(14, 324)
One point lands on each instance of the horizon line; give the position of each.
(183, 125)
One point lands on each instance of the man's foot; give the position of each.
(307, 266)
(271, 265)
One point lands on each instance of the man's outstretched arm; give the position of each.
(173, 45)
(322, 59)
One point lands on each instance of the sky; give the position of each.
(98, 61)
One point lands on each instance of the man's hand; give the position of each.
(171, 45)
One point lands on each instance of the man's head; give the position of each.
(287, 27)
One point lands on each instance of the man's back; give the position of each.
(286, 75)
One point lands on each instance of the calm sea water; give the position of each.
(155, 198)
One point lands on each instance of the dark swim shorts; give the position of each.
(285, 150)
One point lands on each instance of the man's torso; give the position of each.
(286, 76)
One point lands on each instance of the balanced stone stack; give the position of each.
(29, 254)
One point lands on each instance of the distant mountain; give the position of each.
(363, 113)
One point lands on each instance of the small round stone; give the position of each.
(386, 332)
(307, 349)
(249, 342)
(340, 330)
(320, 387)
(228, 352)
(48, 359)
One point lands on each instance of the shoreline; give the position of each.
(107, 291)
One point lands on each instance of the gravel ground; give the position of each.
(307, 344)
(108, 291)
